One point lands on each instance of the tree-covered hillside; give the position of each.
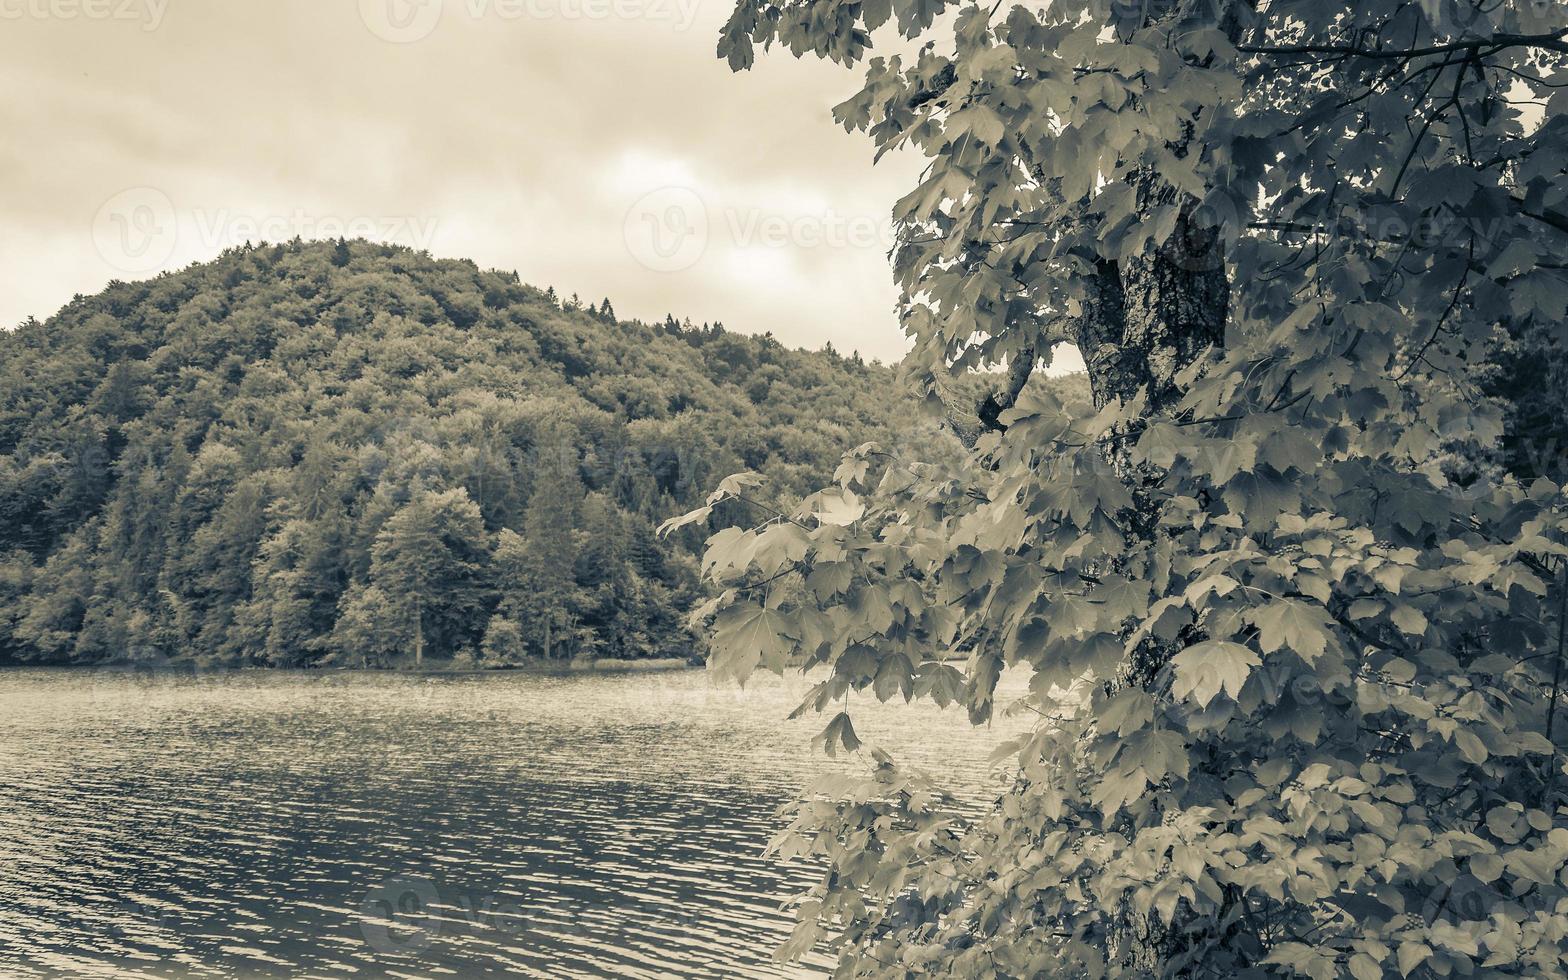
(350, 453)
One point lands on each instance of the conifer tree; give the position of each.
(548, 585)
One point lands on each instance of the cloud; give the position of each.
(521, 135)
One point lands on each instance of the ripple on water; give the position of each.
(260, 824)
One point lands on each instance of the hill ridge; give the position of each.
(262, 458)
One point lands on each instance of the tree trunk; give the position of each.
(419, 634)
(1144, 322)
(1147, 319)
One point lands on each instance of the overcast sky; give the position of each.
(598, 146)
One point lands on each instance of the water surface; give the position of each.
(282, 824)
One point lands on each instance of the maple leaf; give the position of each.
(830, 578)
(1301, 626)
(674, 524)
(747, 635)
(1261, 495)
(838, 732)
(839, 508)
(730, 549)
(1409, 620)
(1205, 669)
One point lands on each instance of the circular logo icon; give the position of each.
(395, 916)
(135, 231)
(400, 21)
(667, 230)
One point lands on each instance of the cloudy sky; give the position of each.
(594, 145)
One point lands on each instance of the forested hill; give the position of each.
(321, 453)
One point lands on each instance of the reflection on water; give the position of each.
(254, 824)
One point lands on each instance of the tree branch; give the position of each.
(1551, 42)
(970, 422)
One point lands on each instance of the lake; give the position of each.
(345, 824)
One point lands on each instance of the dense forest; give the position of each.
(349, 453)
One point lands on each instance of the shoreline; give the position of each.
(601, 666)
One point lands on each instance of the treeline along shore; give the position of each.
(350, 454)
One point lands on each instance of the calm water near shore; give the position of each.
(261, 824)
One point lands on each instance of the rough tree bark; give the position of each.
(1152, 316)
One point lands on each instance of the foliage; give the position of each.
(1297, 678)
(331, 452)
(428, 562)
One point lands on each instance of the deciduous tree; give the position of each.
(427, 562)
(1298, 690)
